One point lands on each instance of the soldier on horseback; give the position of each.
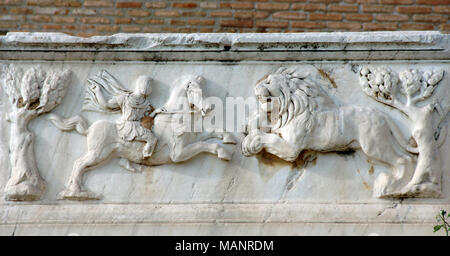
(134, 107)
(105, 94)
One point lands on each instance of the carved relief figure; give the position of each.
(133, 105)
(31, 93)
(408, 92)
(305, 117)
(132, 143)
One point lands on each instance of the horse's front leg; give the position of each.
(272, 143)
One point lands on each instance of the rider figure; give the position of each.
(134, 106)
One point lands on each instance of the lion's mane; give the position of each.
(300, 96)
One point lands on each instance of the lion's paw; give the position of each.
(251, 145)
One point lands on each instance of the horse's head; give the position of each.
(194, 92)
(188, 94)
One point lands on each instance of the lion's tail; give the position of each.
(400, 139)
(68, 124)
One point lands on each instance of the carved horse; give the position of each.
(175, 141)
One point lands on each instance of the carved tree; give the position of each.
(407, 92)
(31, 93)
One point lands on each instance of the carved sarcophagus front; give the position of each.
(251, 134)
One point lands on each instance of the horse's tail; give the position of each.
(400, 139)
(68, 124)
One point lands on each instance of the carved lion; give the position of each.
(305, 117)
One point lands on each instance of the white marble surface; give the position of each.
(208, 196)
(210, 41)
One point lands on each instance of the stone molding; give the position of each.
(228, 47)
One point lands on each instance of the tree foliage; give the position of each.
(403, 90)
(34, 89)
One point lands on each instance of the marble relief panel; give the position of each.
(145, 132)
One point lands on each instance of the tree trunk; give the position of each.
(25, 182)
(426, 181)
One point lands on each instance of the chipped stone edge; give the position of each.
(419, 40)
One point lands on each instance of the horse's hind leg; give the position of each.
(226, 137)
(180, 153)
(74, 189)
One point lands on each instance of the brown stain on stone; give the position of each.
(371, 170)
(326, 76)
(412, 142)
(269, 159)
(304, 158)
(31, 106)
(147, 122)
(34, 105)
(261, 79)
(367, 186)
(19, 103)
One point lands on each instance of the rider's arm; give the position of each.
(157, 111)
(110, 104)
